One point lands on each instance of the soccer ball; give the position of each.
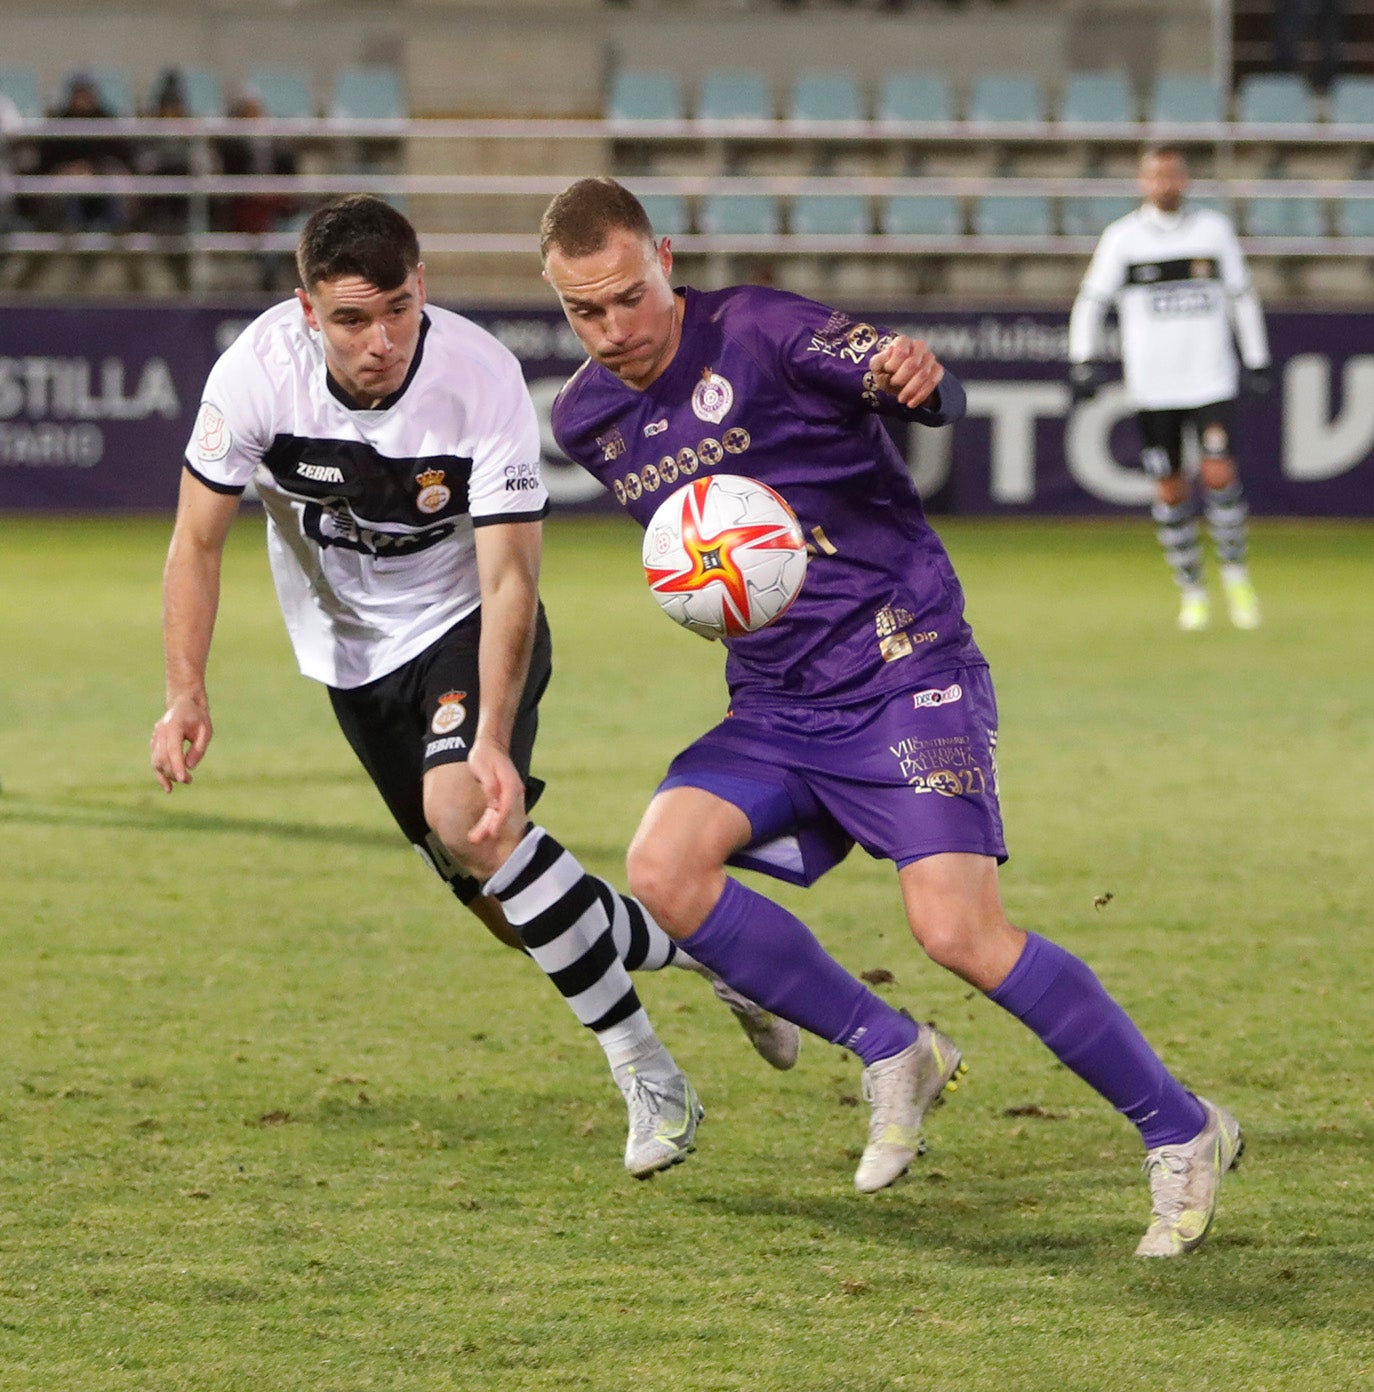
(724, 556)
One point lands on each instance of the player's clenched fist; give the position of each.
(906, 369)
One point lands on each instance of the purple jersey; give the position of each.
(777, 387)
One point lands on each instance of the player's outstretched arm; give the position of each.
(508, 562)
(190, 601)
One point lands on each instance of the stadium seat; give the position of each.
(114, 90)
(668, 213)
(1006, 97)
(1012, 215)
(1102, 97)
(1352, 101)
(644, 96)
(740, 214)
(825, 97)
(735, 96)
(1186, 99)
(367, 94)
(1355, 217)
(1267, 99)
(20, 85)
(284, 92)
(921, 215)
(830, 215)
(1285, 217)
(204, 92)
(1088, 217)
(915, 96)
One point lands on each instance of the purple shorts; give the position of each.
(911, 776)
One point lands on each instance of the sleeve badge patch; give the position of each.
(213, 436)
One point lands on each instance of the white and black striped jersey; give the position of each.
(1181, 285)
(370, 513)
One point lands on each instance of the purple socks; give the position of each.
(773, 958)
(1057, 996)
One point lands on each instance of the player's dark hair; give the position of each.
(1163, 149)
(359, 235)
(579, 219)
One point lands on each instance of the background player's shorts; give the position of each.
(908, 777)
(1162, 433)
(424, 714)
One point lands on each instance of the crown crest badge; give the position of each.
(433, 495)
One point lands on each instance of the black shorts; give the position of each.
(1162, 433)
(424, 714)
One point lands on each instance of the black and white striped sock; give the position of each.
(639, 942)
(560, 914)
(1176, 526)
(1227, 520)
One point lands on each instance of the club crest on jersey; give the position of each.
(612, 444)
(712, 397)
(937, 697)
(451, 713)
(213, 436)
(1203, 268)
(433, 494)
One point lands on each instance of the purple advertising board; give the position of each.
(97, 402)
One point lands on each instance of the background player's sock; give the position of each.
(1227, 520)
(772, 957)
(1176, 526)
(560, 914)
(1057, 996)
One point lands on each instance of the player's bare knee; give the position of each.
(1217, 471)
(1172, 489)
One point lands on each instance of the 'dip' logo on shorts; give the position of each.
(451, 713)
(934, 697)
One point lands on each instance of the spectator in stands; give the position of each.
(83, 154)
(1183, 296)
(166, 156)
(257, 213)
(1292, 19)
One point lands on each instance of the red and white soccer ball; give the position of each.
(724, 556)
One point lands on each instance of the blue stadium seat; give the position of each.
(368, 94)
(740, 214)
(921, 215)
(1103, 97)
(735, 96)
(830, 215)
(114, 90)
(1355, 217)
(1088, 217)
(644, 96)
(284, 92)
(915, 96)
(20, 85)
(1267, 99)
(1352, 101)
(204, 92)
(1285, 217)
(668, 213)
(1012, 215)
(1186, 99)
(825, 97)
(1006, 97)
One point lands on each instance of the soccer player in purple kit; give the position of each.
(865, 714)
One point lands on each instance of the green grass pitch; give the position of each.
(274, 1115)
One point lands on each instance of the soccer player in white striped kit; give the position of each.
(1184, 299)
(396, 451)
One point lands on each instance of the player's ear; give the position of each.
(309, 309)
(665, 255)
(420, 283)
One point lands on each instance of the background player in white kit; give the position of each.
(1184, 299)
(397, 452)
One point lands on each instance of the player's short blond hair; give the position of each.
(579, 219)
